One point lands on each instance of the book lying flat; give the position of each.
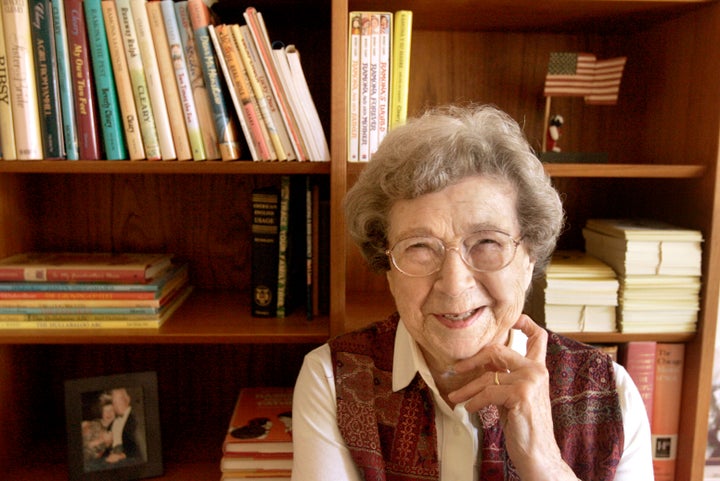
(261, 421)
(83, 267)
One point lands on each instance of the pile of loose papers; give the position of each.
(658, 267)
(579, 293)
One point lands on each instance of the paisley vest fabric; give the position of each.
(392, 436)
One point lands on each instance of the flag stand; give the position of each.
(546, 123)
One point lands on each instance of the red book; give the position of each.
(638, 357)
(261, 421)
(83, 267)
(86, 112)
(665, 424)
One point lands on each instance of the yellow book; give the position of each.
(133, 136)
(146, 118)
(400, 77)
(169, 84)
(7, 131)
(23, 86)
(152, 77)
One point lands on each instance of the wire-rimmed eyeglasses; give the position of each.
(482, 251)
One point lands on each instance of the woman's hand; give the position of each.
(519, 387)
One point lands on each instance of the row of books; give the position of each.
(289, 247)
(378, 76)
(258, 443)
(155, 80)
(90, 290)
(657, 370)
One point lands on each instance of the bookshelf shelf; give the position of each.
(662, 138)
(170, 167)
(206, 317)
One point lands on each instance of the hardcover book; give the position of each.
(146, 117)
(169, 84)
(639, 359)
(265, 242)
(400, 71)
(225, 124)
(67, 99)
(670, 363)
(121, 74)
(7, 131)
(86, 113)
(197, 80)
(152, 78)
(261, 421)
(184, 83)
(83, 267)
(46, 77)
(23, 86)
(240, 93)
(105, 87)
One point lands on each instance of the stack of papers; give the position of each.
(659, 268)
(579, 293)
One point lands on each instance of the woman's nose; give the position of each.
(455, 276)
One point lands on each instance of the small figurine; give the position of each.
(553, 133)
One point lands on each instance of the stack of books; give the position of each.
(150, 80)
(659, 269)
(378, 78)
(258, 444)
(579, 293)
(90, 290)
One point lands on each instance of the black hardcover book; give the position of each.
(265, 234)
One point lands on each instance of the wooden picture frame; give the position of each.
(132, 449)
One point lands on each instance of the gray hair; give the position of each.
(440, 148)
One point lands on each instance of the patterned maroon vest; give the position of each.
(392, 436)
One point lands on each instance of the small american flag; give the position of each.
(582, 75)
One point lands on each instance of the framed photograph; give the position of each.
(113, 427)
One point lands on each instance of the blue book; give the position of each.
(108, 104)
(67, 98)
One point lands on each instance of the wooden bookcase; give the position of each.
(662, 141)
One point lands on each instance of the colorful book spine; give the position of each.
(353, 89)
(109, 108)
(46, 77)
(383, 72)
(131, 125)
(86, 114)
(7, 131)
(261, 90)
(225, 124)
(23, 87)
(639, 359)
(374, 82)
(282, 273)
(152, 77)
(365, 63)
(264, 255)
(400, 71)
(259, 34)
(146, 118)
(197, 80)
(670, 363)
(169, 84)
(67, 99)
(238, 88)
(182, 76)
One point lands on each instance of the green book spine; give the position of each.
(46, 74)
(109, 107)
(67, 99)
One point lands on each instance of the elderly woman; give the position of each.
(459, 384)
